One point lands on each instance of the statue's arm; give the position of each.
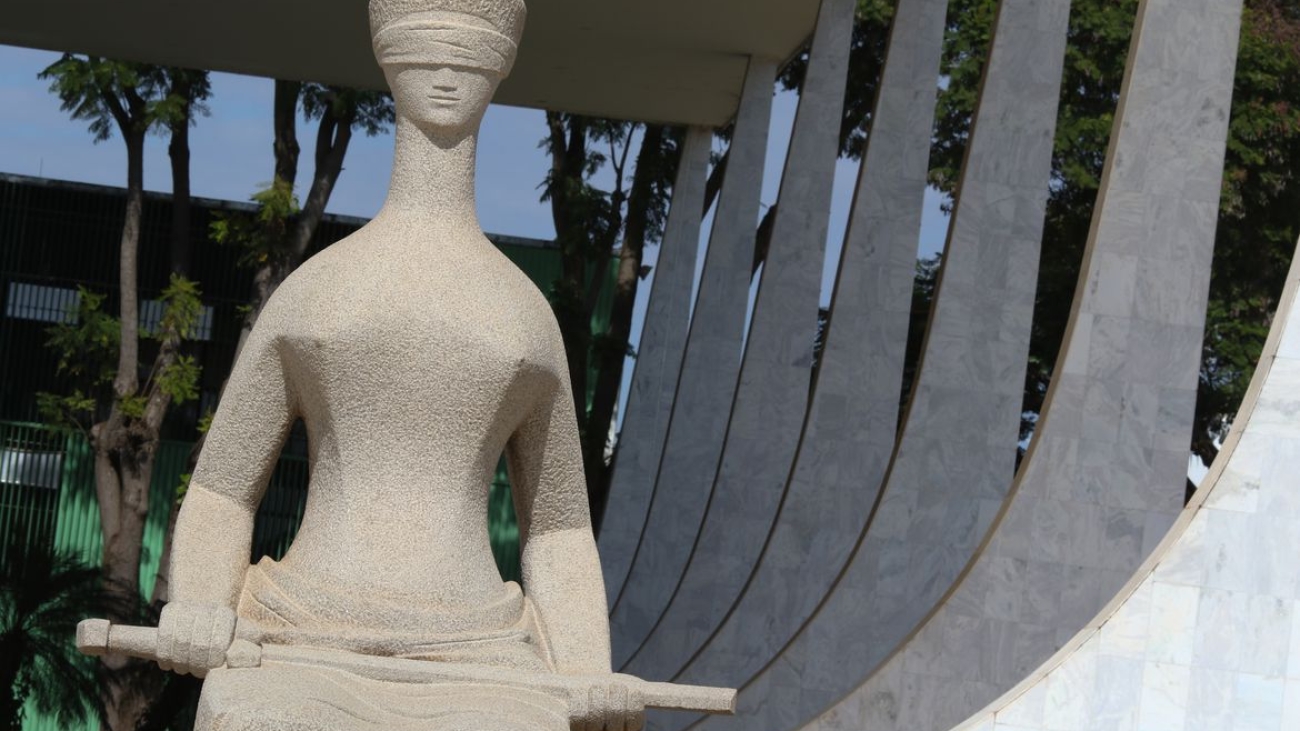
(214, 531)
(561, 569)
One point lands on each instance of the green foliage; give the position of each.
(130, 96)
(369, 111)
(187, 91)
(65, 411)
(133, 405)
(101, 92)
(182, 307)
(1257, 224)
(43, 595)
(205, 421)
(260, 234)
(87, 346)
(180, 380)
(593, 216)
(183, 486)
(86, 343)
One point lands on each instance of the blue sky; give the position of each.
(231, 158)
(232, 153)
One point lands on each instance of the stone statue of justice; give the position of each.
(415, 353)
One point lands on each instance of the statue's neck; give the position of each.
(433, 179)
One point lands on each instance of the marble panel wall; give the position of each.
(775, 378)
(1207, 636)
(851, 428)
(658, 365)
(1105, 474)
(707, 383)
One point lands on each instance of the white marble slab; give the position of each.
(1204, 658)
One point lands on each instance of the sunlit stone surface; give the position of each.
(772, 398)
(416, 354)
(1105, 474)
(658, 366)
(853, 420)
(1207, 636)
(708, 379)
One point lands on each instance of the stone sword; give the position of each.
(97, 637)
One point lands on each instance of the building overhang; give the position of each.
(672, 61)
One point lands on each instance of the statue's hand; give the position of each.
(613, 706)
(193, 637)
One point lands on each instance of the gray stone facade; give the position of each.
(707, 383)
(658, 365)
(772, 398)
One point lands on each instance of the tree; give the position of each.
(1257, 224)
(121, 412)
(187, 92)
(43, 595)
(276, 237)
(589, 224)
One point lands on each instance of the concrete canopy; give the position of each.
(675, 61)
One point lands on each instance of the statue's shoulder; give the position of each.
(328, 269)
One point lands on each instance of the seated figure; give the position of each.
(415, 353)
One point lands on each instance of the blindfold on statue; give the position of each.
(432, 42)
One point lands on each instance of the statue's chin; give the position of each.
(449, 123)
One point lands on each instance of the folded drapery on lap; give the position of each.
(280, 608)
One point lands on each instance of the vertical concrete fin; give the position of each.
(658, 364)
(772, 398)
(1105, 475)
(707, 383)
(852, 424)
(954, 463)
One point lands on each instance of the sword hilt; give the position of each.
(98, 637)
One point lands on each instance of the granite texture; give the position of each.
(1105, 475)
(956, 455)
(850, 431)
(416, 354)
(658, 364)
(707, 384)
(1207, 635)
(772, 398)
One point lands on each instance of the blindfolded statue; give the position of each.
(415, 354)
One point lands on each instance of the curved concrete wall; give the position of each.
(772, 399)
(658, 365)
(1105, 474)
(707, 384)
(956, 456)
(851, 428)
(1207, 636)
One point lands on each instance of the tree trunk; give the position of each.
(120, 468)
(111, 439)
(124, 466)
(127, 380)
(332, 140)
(612, 354)
(179, 151)
(270, 273)
(286, 130)
(568, 146)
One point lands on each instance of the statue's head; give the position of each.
(444, 58)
